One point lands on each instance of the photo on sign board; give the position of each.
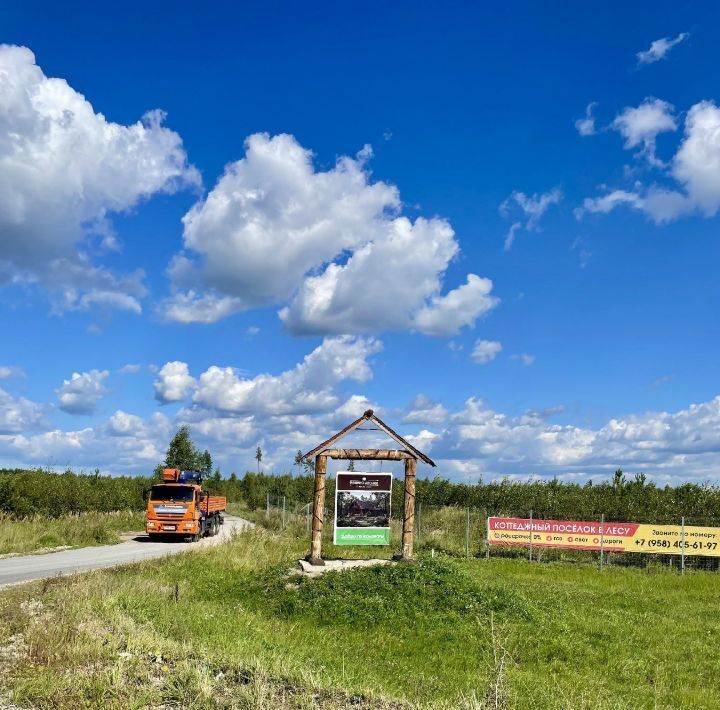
(363, 509)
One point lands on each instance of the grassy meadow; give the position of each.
(230, 627)
(39, 533)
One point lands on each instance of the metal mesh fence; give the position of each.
(463, 531)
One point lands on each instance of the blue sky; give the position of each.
(362, 168)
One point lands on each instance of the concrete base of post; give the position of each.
(315, 561)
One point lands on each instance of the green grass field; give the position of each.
(40, 533)
(228, 627)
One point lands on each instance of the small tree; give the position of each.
(205, 463)
(307, 465)
(351, 465)
(258, 456)
(182, 453)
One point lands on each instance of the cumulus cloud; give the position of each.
(64, 170)
(18, 414)
(174, 382)
(424, 411)
(485, 351)
(697, 162)
(659, 49)
(307, 388)
(586, 126)
(474, 441)
(641, 124)
(669, 446)
(82, 392)
(532, 209)
(695, 168)
(331, 245)
(297, 408)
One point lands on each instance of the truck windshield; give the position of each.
(174, 493)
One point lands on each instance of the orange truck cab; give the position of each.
(180, 508)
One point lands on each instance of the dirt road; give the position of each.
(14, 570)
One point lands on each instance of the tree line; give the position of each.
(24, 493)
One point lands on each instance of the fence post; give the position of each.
(467, 532)
(531, 535)
(418, 520)
(486, 517)
(682, 546)
(602, 539)
(267, 505)
(283, 513)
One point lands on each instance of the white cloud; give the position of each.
(123, 424)
(695, 168)
(298, 408)
(174, 382)
(533, 207)
(192, 307)
(697, 162)
(306, 388)
(445, 315)
(485, 351)
(82, 392)
(640, 126)
(659, 49)
(130, 369)
(18, 414)
(586, 126)
(667, 446)
(372, 292)
(329, 244)
(424, 411)
(510, 236)
(64, 169)
(524, 358)
(8, 371)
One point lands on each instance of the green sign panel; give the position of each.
(362, 508)
(362, 536)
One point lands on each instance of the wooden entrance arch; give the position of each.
(326, 450)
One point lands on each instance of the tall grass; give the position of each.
(229, 627)
(38, 533)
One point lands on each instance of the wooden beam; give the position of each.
(368, 454)
(339, 435)
(318, 511)
(408, 532)
(369, 416)
(396, 437)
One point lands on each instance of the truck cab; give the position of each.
(179, 508)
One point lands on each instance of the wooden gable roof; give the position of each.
(369, 416)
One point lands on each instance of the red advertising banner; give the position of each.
(561, 533)
(608, 536)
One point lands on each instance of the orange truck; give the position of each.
(180, 508)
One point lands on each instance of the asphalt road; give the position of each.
(14, 570)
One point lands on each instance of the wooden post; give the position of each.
(318, 511)
(409, 516)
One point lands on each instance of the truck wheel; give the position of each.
(196, 537)
(215, 528)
